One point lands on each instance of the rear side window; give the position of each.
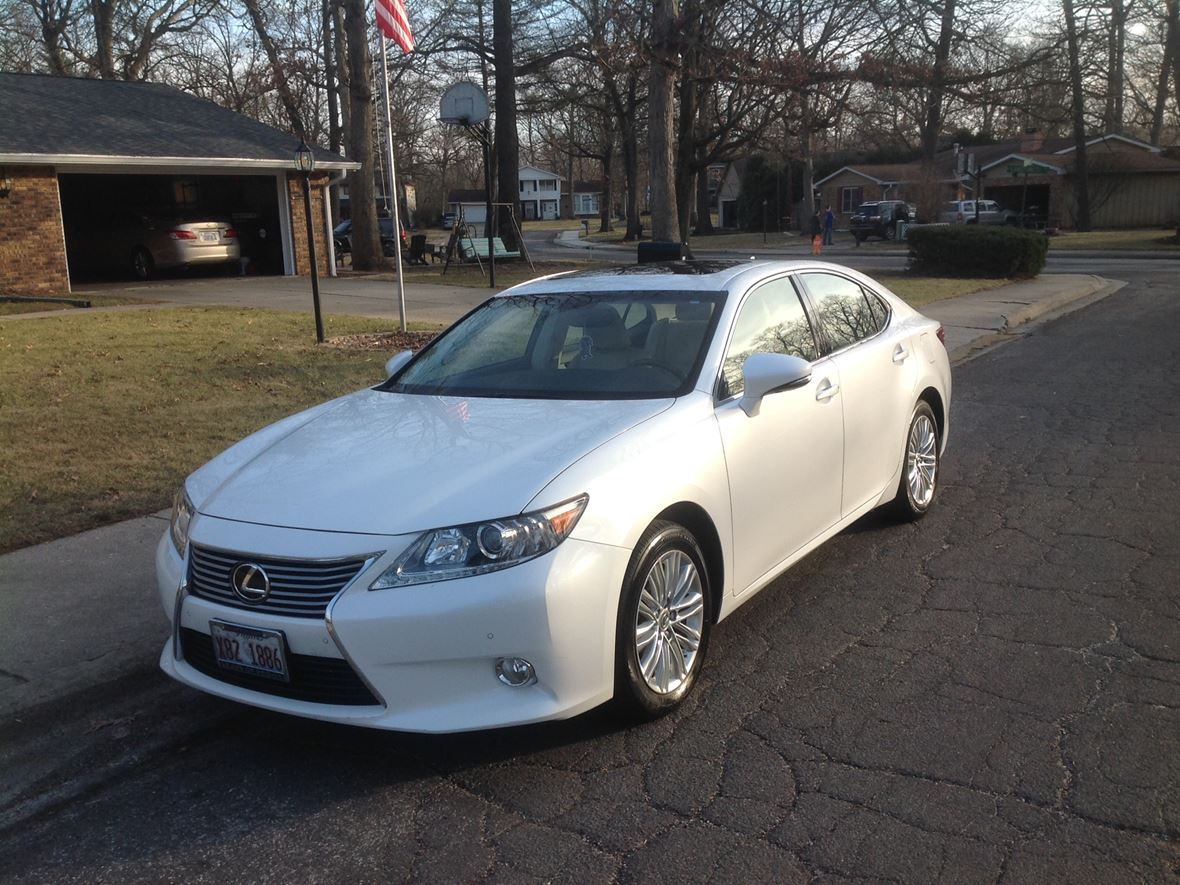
(844, 312)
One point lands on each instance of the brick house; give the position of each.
(1131, 183)
(74, 153)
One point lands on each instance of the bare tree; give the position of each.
(366, 242)
(665, 59)
(1081, 170)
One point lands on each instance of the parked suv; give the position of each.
(990, 212)
(342, 235)
(879, 219)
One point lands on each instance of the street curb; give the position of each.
(1023, 320)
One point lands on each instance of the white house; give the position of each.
(540, 194)
(585, 196)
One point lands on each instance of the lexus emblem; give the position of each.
(250, 582)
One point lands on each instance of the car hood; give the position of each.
(391, 463)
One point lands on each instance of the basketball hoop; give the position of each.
(464, 104)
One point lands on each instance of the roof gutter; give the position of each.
(191, 162)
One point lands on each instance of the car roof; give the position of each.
(669, 276)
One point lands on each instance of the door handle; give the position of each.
(826, 390)
(900, 354)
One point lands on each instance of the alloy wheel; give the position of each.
(669, 621)
(922, 461)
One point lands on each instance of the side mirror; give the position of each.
(396, 361)
(766, 373)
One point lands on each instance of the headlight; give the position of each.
(479, 547)
(182, 513)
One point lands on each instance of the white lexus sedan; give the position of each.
(552, 504)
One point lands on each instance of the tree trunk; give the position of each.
(278, 70)
(343, 78)
(507, 138)
(932, 125)
(1161, 94)
(662, 78)
(1112, 117)
(604, 213)
(631, 176)
(685, 180)
(103, 14)
(1173, 38)
(807, 158)
(1081, 167)
(335, 135)
(704, 226)
(366, 242)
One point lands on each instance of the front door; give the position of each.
(785, 462)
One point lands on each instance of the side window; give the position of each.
(880, 311)
(771, 320)
(845, 316)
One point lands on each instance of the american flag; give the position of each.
(394, 24)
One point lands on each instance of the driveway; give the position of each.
(355, 296)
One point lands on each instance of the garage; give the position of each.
(109, 179)
(126, 225)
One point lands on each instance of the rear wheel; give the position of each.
(663, 623)
(919, 472)
(142, 264)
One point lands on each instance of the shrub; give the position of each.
(969, 250)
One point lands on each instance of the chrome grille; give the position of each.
(298, 588)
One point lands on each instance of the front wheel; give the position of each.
(919, 472)
(663, 622)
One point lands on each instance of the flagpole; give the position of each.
(397, 225)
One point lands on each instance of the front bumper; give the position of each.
(427, 652)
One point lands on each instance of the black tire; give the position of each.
(632, 693)
(906, 506)
(890, 232)
(142, 264)
(859, 237)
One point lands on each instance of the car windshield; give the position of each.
(868, 208)
(625, 345)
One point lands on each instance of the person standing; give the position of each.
(816, 232)
(829, 225)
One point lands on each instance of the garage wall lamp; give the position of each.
(5, 183)
(304, 158)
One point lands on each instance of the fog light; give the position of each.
(515, 672)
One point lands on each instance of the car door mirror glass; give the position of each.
(766, 373)
(396, 361)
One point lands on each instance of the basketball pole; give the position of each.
(397, 224)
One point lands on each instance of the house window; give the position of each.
(548, 185)
(184, 192)
(850, 198)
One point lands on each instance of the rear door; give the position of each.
(877, 369)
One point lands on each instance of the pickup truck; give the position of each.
(990, 212)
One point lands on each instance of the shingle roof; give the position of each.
(467, 195)
(65, 117)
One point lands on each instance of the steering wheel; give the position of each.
(656, 364)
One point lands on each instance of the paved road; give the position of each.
(993, 694)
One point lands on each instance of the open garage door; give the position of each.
(137, 226)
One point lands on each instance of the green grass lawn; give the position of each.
(1117, 240)
(918, 291)
(105, 413)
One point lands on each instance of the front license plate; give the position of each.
(249, 650)
(210, 236)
